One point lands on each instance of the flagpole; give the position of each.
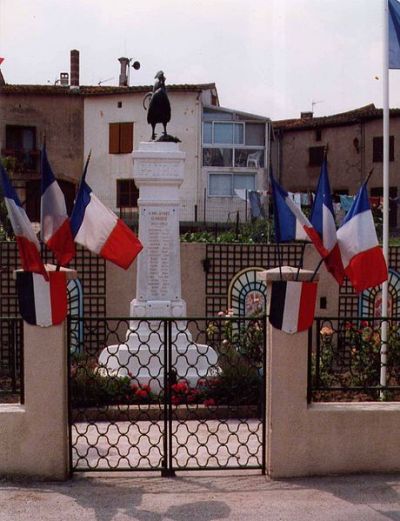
(385, 76)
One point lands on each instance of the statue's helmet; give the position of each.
(159, 75)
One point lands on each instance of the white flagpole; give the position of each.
(385, 75)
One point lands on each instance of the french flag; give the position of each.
(323, 219)
(362, 257)
(55, 225)
(42, 303)
(293, 306)
(27, 242)
(290, 222)
(98, 229)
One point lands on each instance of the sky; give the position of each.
(274, 58)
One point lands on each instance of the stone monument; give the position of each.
(158, 170)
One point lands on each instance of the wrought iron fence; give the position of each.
(167, 394)
(345, 360)
(11, 360)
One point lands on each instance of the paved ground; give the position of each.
(201, 498)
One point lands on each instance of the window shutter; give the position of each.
(114, 138)
(126, 138)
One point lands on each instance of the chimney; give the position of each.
(306, 115)
(123, 77)
(75, 68)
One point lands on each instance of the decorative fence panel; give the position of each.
(92, 275)
(11, 359)
(168, 395)
(224, 261)
(345, 360)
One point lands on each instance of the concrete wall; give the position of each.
(121, 284)
(34, 436)
(324, 438)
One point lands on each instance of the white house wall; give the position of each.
(106, 168)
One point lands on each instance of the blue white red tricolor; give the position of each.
(98, 229)
(394, 34)
(292, 305)
(323, 220)
(362, 257)
(290, 222)
(55, 225)
(42, 303)
(27, 242)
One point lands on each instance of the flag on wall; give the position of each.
(292, 305)
(55, 225)
(290, 222)
(98, 229)
(394, 34)
(42, 302)
(362, 256)
(323, 219)
(27, 242)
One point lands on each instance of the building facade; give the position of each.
(355, 149)
(226, 150)
(30, 115)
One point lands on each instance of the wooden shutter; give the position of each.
(114, 138)
(126, 138)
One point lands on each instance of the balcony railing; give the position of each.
(25, 161)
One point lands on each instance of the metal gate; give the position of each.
(167, 395)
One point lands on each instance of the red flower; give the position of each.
(134, 388)
(180, 387)
(209, 402)
(141, 393)
(175, 400)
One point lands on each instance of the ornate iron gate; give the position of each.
(168, 395)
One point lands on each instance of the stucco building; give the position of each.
(355, 147)
(30, 114)
(225, 149)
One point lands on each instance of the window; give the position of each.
(21, 144)
(315, 156)
(377, 149)
(255, 134)
(120, 138)
(249, 158)
(127, 193)
(228, 133)
(224, 184)
(228, 142)
(217, 157)
(318, 134)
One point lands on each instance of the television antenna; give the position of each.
(104, 81)
(313, 103)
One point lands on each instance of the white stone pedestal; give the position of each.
(158, 170)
